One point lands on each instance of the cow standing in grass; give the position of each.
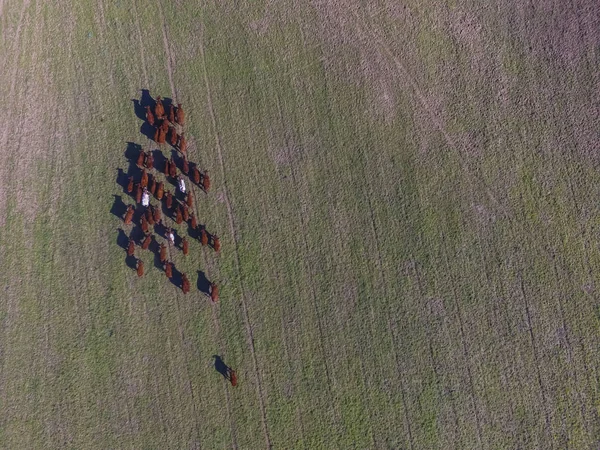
(185, 246)
(180, 115)
(147, 241)
(130, 185)
(131, 248)
(169, 270)
(140, 268)
(149, 116)
(160, 190)
(163, 253)
(182, 144)
(159, 109)
(169, 200)
(140, 159)
(129, 215)
(185, 283)
(214, 292)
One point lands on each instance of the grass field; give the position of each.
(407, 198)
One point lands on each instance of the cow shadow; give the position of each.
(122, 239)
(203, 284)
(123, 181)
(221, 367)
(139, 109)
(131, 153)
(159, 160)
(148, 130)
(176, 279)
(131, 262)
(146, 99)
(118, 208)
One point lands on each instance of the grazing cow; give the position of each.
(140, 160)
(171, 114)
(163, 253)
(149, 161)
(203, 236)
(186, 213)
(178, 216)
(189, 199)
(169, 198)
(149, 217)
(149, 116)
(180, 115)
(170, 236)
(153, 186)
(159, 109)
(172, 169)
(157, 214)
(160, 190)
(232, 376)
(129, 215)
(196, 174)
(138, 193)
(144, 180)
(144, 224)
(216, 243)
(130, 185)
(193, 221)
(140, 268)
(173, 136)
(185, 246)
(131, 248)
(182, 143)
(214, 292)
(147, 241)
(185, 283)
(206, 181)
(169, 270)
(185, 168)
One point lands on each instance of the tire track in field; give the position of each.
(235, 239)
(141, 42)
(170, 63)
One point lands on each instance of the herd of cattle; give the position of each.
(179, 205)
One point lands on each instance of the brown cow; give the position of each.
(173, 136)
(185, 246)
(149, 161)
(159, 109)
(185, 166)
(153, 186)
(163, 253)
(186, 213)
(144, 224)
(147, 241)
(130, 185)
(185, 283)
(193, 221)
(216, 243)
(169, 198)
(160, 190)
(232, 376)
(138, 193)
(156, 134)
(206, 181)
(140, 160)
(214, 292)
(196, 174)
(149, 217)
(157, 214)
(140, 268)
(203, 236)
(164, 126)
(178, 216)
(149, 116)
(169, 270)
(129, 215)
(162, 137)
(172, 169)
(180, 115)
(131, 248)
(167, 168)
(144, 180)
(171, 114)
(189, 199)
(182, 144)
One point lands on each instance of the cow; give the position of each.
(163, 253)
(172, 169)
(169, 270)
(157, 214)
(149, 161)
(182, 144)
(160, 190)
(162, 136)
(185, 167)
(180, 115)
(131, 248)
(166, 168)
(170, 236)
(130, 185)
(173, 136)
(178, 216)
(216, 243)
(214, 292)
(185, 246)
(156, 134)
(196, 174)
(138, 193)
(140, 159)
(171, 114)
(185, 283)
(169, 198)
(159, 109)
(149, 116)
(186, 213)
(189, 199)
(144, 224)
(164, 126)
(140, 268)
(145, 198)
(203, 236)
(193, 221)
(232, 376)
(206, 181)
(129, 215)
(153, 186)
(181, 184)
(149, 217)
(147, 241)
(144, 180)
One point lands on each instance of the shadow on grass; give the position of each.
(203, 284)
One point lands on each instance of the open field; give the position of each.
(407, 199)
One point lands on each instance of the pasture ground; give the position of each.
(407, 197)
